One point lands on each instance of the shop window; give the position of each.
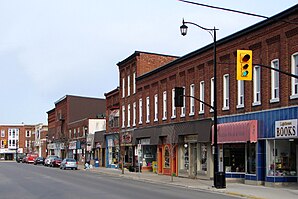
(234, 158)
(148, 153)
(251, 158)
(167, 157)
(204, 157)
(282, 158)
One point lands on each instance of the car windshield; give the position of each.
(70, 160)
(59, 159)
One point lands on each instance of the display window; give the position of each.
(234, 157)
(281, 158)
(167, 157)
(148, 154)
(203, 157)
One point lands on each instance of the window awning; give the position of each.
(236, 132)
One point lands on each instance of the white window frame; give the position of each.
(128, 85)
(28, 133)
(123, 116)
(128, 115)
(123, 87)
(27, 143)
(134, 112)
(183, 108)
(173, 104)
(2, 133)
(294, 81)
(155, 108)
(256, 86)
(2, 144)
(274, 81)
(191, 100)
(140, 111)
(212, 93)
(226, 93)
(240, 94)
(147, 109)
(134, 83)
(69, 133)
(164, 105)
(202, 90)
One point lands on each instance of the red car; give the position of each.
(31, 157)
(56, 162)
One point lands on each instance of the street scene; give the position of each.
(213, 117)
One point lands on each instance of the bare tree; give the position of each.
(171, 148)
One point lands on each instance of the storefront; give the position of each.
(272, 160)
(147, 140)
(100, 145)
(112, 150)
(282, 158)
(194, 149)
(237, 149)
(127, 149)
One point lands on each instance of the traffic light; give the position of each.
(179, 94)
(244, 65)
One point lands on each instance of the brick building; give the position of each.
(16, 137)
(110, 141)
(252, 148)
(137, 64)
(72, 124)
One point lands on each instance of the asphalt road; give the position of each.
(23, 181)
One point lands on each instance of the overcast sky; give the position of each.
(53, 48)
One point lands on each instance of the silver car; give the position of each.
(49, 159)
(69, 163)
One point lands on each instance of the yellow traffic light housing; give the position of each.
(244, 65)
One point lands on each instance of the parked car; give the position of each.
(39, 160)
(49, 159)
(31, 158)
(69, 163)
(20, 157)
(24, 160)
(56, 162)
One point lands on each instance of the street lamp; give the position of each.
(86, 134)
(212, 31)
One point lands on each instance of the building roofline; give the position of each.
(252, 28)
(76, 96)
(112, 91)
(137, 53)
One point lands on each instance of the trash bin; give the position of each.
(96, 163)
(220, 180)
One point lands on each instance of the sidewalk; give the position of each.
(235, 189)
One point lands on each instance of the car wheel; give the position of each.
(76, 168)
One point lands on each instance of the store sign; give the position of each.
(286, 129)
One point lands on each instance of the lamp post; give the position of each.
(212, 32)
(47, 151)
(86, 134)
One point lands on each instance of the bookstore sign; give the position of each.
(286, 129)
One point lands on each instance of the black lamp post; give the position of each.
(47, 150)
(217, 183)
(86, 134)
(17, 148)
